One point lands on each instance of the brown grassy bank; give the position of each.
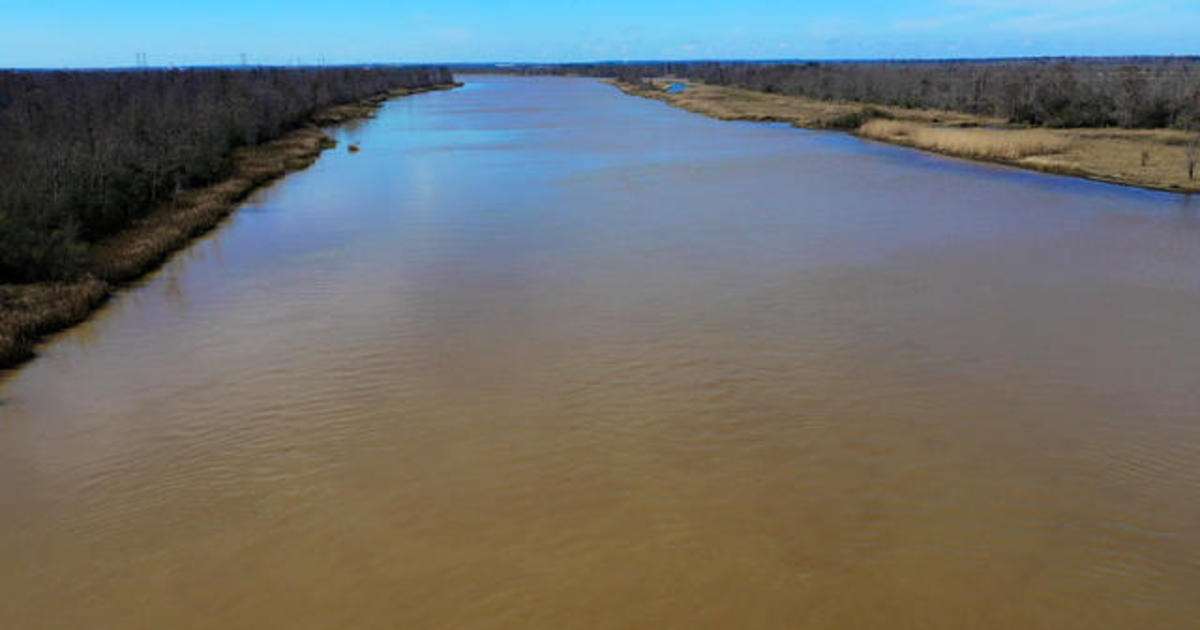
(28, 312)
(1147, 158)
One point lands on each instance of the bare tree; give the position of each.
(1141, 92)
(84, 153)
(1193, 154)
(1193, 145)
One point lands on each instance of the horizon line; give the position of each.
(610, 62)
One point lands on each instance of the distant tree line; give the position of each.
(83, 153)
(1136, 92)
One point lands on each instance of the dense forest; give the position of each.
(82, 153)
(1136, 92)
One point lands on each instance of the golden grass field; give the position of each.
(1148, 158)
(30, 311)
(979, 143)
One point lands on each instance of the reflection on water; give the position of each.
(546, 355)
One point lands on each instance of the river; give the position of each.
(545, 355)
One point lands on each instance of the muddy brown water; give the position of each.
(543, 355)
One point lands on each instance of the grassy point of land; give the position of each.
(1148, 158)
(28, 312)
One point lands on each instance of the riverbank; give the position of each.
(1156, 159)
(29, 312)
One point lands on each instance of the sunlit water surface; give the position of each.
(543, 355)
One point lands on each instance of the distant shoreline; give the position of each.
(1154, 159)
(30, 312)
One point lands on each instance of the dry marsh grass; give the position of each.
(975, 142)
(150, 240)
(1148, 158)
(729, 103)
(27, 312)
(30, 311)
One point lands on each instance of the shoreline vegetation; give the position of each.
(32, 310)
(1156, 159)
(1124, 120)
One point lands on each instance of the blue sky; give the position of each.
(59, 33)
